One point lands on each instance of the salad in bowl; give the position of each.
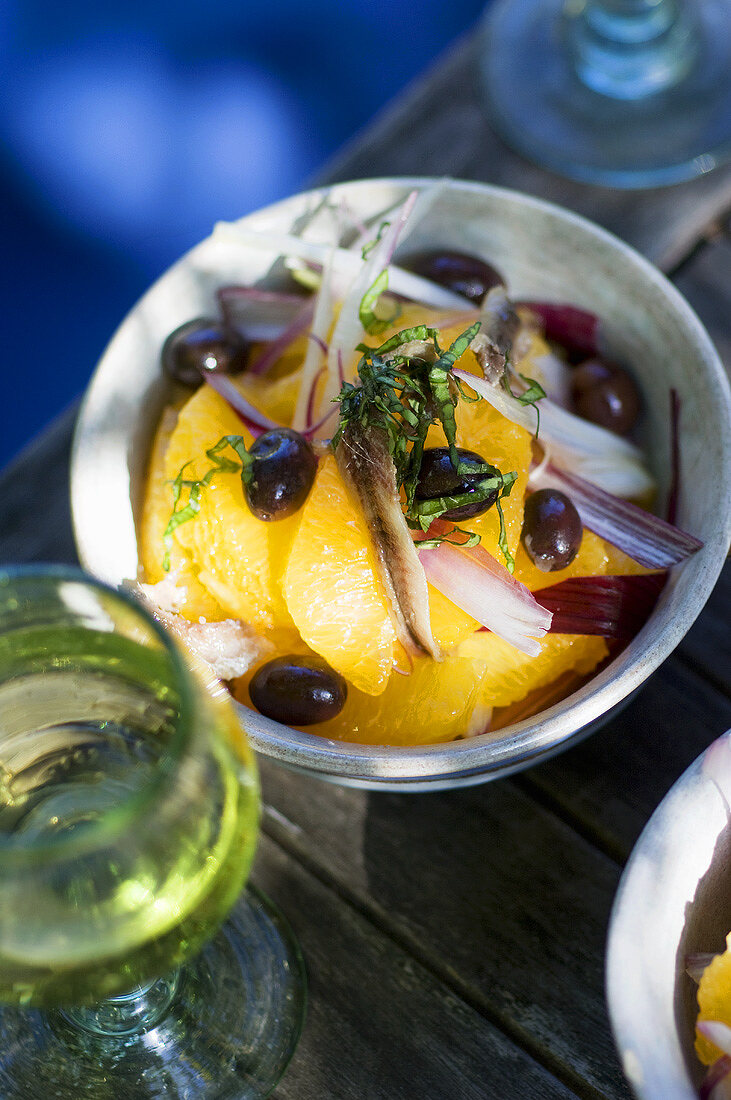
(395, 498)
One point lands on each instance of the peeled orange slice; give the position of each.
(510, 675)
(197, 602)
(331, 588)
(239, 558)
(436, 702)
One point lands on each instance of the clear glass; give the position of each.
(628, 93)
(129, 809)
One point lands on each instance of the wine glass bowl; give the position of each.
(623, 93)
(129, 810)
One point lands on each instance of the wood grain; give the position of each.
(380, 1026)
(493, 894)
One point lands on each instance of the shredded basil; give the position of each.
(532, 395)
(366, 310)
(195, 487)
(404, 396)
(368, 248)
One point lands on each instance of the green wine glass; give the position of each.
(129, 808)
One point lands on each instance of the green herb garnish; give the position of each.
(367, 308)
(532, 395)
(403, 397)
(221, 464)
(368, 248)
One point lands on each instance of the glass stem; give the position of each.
(631, 49)
(130, 1013)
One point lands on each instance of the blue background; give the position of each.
(128, 128)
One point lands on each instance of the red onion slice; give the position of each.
(576, 329)
(717, 1082)
(611, 606)
(322, 320)
(277, 348)
(258, 314)
(647, 539)
(475, 581)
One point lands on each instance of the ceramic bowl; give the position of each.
(545, 253)
(674, 900)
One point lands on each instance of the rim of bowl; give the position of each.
(523, 743)
(656, 1066)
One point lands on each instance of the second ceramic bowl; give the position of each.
(674, 900)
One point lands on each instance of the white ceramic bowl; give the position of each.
(674, 899)
(545, 253)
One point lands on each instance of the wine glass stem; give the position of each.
(130, 1013)
(631, 49)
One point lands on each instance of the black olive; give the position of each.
(438, 478)
(203, 345)
(465, 275)
(277, 483)
(552, 530)
(605, 394)
(298, 690)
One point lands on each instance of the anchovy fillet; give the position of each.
(500, 325)
(369, 474)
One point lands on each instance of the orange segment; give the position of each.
(197, 603)
(238, 556)
(510, 675)
(436, 702)
(714, 1001)
(331, 589)
(482, 429)
(620, 564)
(594, 559)
(450, 625)
(274, 397)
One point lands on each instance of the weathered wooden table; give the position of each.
(455, 942)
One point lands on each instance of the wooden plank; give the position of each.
(707, 645)
(379, 1025)
(35, 521)
(609, 785)
(494, 895)
(439, 126)
(706, 282)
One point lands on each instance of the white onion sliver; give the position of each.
(649, 540)
(321, 324)
(718, 1033)
(349, 331)
(346, 265)
(600, 456)
(476, 584)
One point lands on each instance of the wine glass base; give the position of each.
(229, 1033)
(542, 109)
